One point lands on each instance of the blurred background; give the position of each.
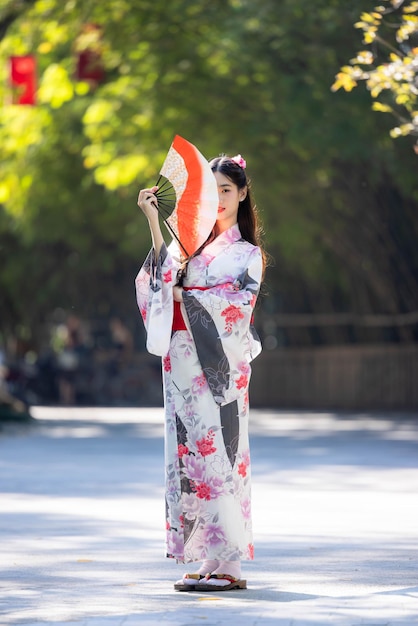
(92, 93)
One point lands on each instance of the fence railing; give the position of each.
(348, 377)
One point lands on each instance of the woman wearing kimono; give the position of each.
(201, 326)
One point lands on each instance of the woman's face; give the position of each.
(229, 198)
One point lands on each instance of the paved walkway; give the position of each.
(335, 514)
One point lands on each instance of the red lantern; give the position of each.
(89, 55)
(89, 67)
(23, 79)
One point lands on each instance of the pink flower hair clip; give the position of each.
(239, 161)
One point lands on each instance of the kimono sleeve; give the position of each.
(220, 320)
(154, 295)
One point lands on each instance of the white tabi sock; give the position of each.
(232, 568)
(207, 567)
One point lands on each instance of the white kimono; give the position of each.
(206, 373)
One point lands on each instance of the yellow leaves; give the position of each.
(384, 108)
(344, 79)
(369, 23)
(369, 18)
(365, 57)
(56, 87)
(401, 131)
(399, 74)
(411, 8)
(409, 26)
(370, 35)
(403, 98)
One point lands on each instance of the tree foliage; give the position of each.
(336, 195)
(389, 63)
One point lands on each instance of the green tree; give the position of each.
(233, 76)
(389, 63)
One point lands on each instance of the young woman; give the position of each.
(202, 327)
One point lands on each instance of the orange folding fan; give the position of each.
(187, 195)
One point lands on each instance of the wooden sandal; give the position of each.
(234, 583)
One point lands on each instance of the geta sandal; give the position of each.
(234, 583)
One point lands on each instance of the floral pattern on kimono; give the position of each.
(206, 374)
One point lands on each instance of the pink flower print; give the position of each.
(181, 449)
(143, 312)
(250, 550)
(214, 535)
(175, 544)
(202, 491)
(205, 445)
(241, 382)
(246, 457)
(167, 525)
(216, 486)
(246, 399)
(232, 234)
(181, 519)
(194, 467)
(191, 505)
(167, 363)
(242, 470)
(246, 509)
(244, 367)
(253, 300)
(189, 410)
(167, 276)
(231, 314)
(199, 384)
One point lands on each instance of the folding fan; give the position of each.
(188, 195)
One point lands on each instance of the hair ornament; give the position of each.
(239, 161)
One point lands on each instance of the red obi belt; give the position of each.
(178, 319)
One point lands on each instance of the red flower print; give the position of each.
(167, 525)
(232, 314)
(250, 549)
(182, 450)
(144, 313)
(181, 518)
(167, 363)
(202, 491)
(167, 276)
(205, 445)
(242, 469)
(253, 300)
(241, 382)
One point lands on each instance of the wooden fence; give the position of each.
(383, 377)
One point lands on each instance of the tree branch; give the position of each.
(13, 13)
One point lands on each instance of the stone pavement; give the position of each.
(335, 500)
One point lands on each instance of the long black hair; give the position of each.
(248, 219)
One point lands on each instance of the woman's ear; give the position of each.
(243, 193)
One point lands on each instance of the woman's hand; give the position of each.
(148, 202)
(178, 293)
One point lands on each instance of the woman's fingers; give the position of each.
(147, 200)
